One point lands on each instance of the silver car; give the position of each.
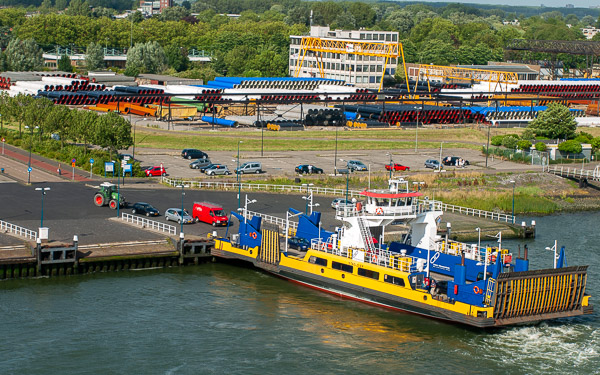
(340, 202)
(217, 169)
(174, 214)
(200, 163)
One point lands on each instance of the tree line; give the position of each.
(257, 42)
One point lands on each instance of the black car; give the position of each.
(298, 243)
(144, 208)
(452, 161)
(192, 153)
(307, 168)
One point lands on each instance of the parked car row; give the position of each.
(205, 212)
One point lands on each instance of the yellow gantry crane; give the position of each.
(468, 74)
(319, 46)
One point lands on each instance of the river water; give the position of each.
(225, 319)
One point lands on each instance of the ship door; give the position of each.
(269, 248)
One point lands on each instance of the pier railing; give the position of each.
(150, 224)
(219, 185)
(572, 172)
(19, 231)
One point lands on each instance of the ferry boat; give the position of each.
(426, 274)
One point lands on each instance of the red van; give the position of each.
(209, 213)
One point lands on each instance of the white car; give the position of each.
(175, 215)
(217, 169)
(340, 202)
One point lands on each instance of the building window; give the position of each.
(362, 36)
(372, 79)
(388, 37)
(394, 37)
(379, 69)
(370, 36)
(378, 79)
(358, 79)
(368, 273)
(372, 69)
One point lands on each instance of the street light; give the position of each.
(30, 146)
(287, 227)
(246, 207)
(391, 166)
(513, 201)
(238, 174)
(43, 190)
(134, 126)
(335, 156)
(347, 173)
(554, 248)
(181, 213)
(307, 196)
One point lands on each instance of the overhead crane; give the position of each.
(468, 74)
(319, 46)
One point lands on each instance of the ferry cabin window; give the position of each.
(368, 273)
(318, 261)
(393, 280)
(342, 267)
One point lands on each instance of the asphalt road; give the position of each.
(69, 210)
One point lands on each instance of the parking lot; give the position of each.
(282, 163)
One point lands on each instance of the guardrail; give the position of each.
(150, 224)
(273, 220)
(19, 231)
(479, 213)
(590, 174)
(218, 185)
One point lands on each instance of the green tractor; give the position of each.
(107, 195)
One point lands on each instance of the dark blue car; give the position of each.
(299, 243)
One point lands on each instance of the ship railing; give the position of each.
(396, 212)
(471, 251)
(281, 222)
(379, 257)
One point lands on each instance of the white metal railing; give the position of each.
(149, 224)
(272, 219)
(19, 231)
(590, 174)
(218, 185)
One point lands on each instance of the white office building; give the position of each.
(356, 69)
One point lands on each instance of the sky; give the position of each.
(547, 3)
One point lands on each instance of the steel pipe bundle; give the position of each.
(396, 114)
(324, 117)
(219, 121)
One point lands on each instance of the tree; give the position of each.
(524, 144)
(113, 132)
(83, 127)
(64, 64)
(177, 58)
(78, 8)
(145, 58)
(174, 13)
(541, 146)
(555, 122)
(60, 121)
(510, 141)
(23, 55)
(36, 111)
(61, 4)
(94, 57)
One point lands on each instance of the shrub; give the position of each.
(570, 146)
(510, 142)
(541, 146)
(595, 142)
(524, 145)
(497, 140)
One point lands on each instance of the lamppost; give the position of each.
(554, 248)
(306, 198)
(487, 148)
(43, 190)
(287, 227)
(391, 165)
(182, 213)
(347, 173)
(238, 174)
(134, 126)
(335, 156)
(246, 207)
(30, 146)
(513, 201)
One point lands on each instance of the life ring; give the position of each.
(253, 235)
(476, 290)
(379, 211)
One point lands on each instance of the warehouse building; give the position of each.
(350, 66)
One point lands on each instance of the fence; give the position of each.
(578, 173)
(19, 231)
(149, 224)
(323, 191)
